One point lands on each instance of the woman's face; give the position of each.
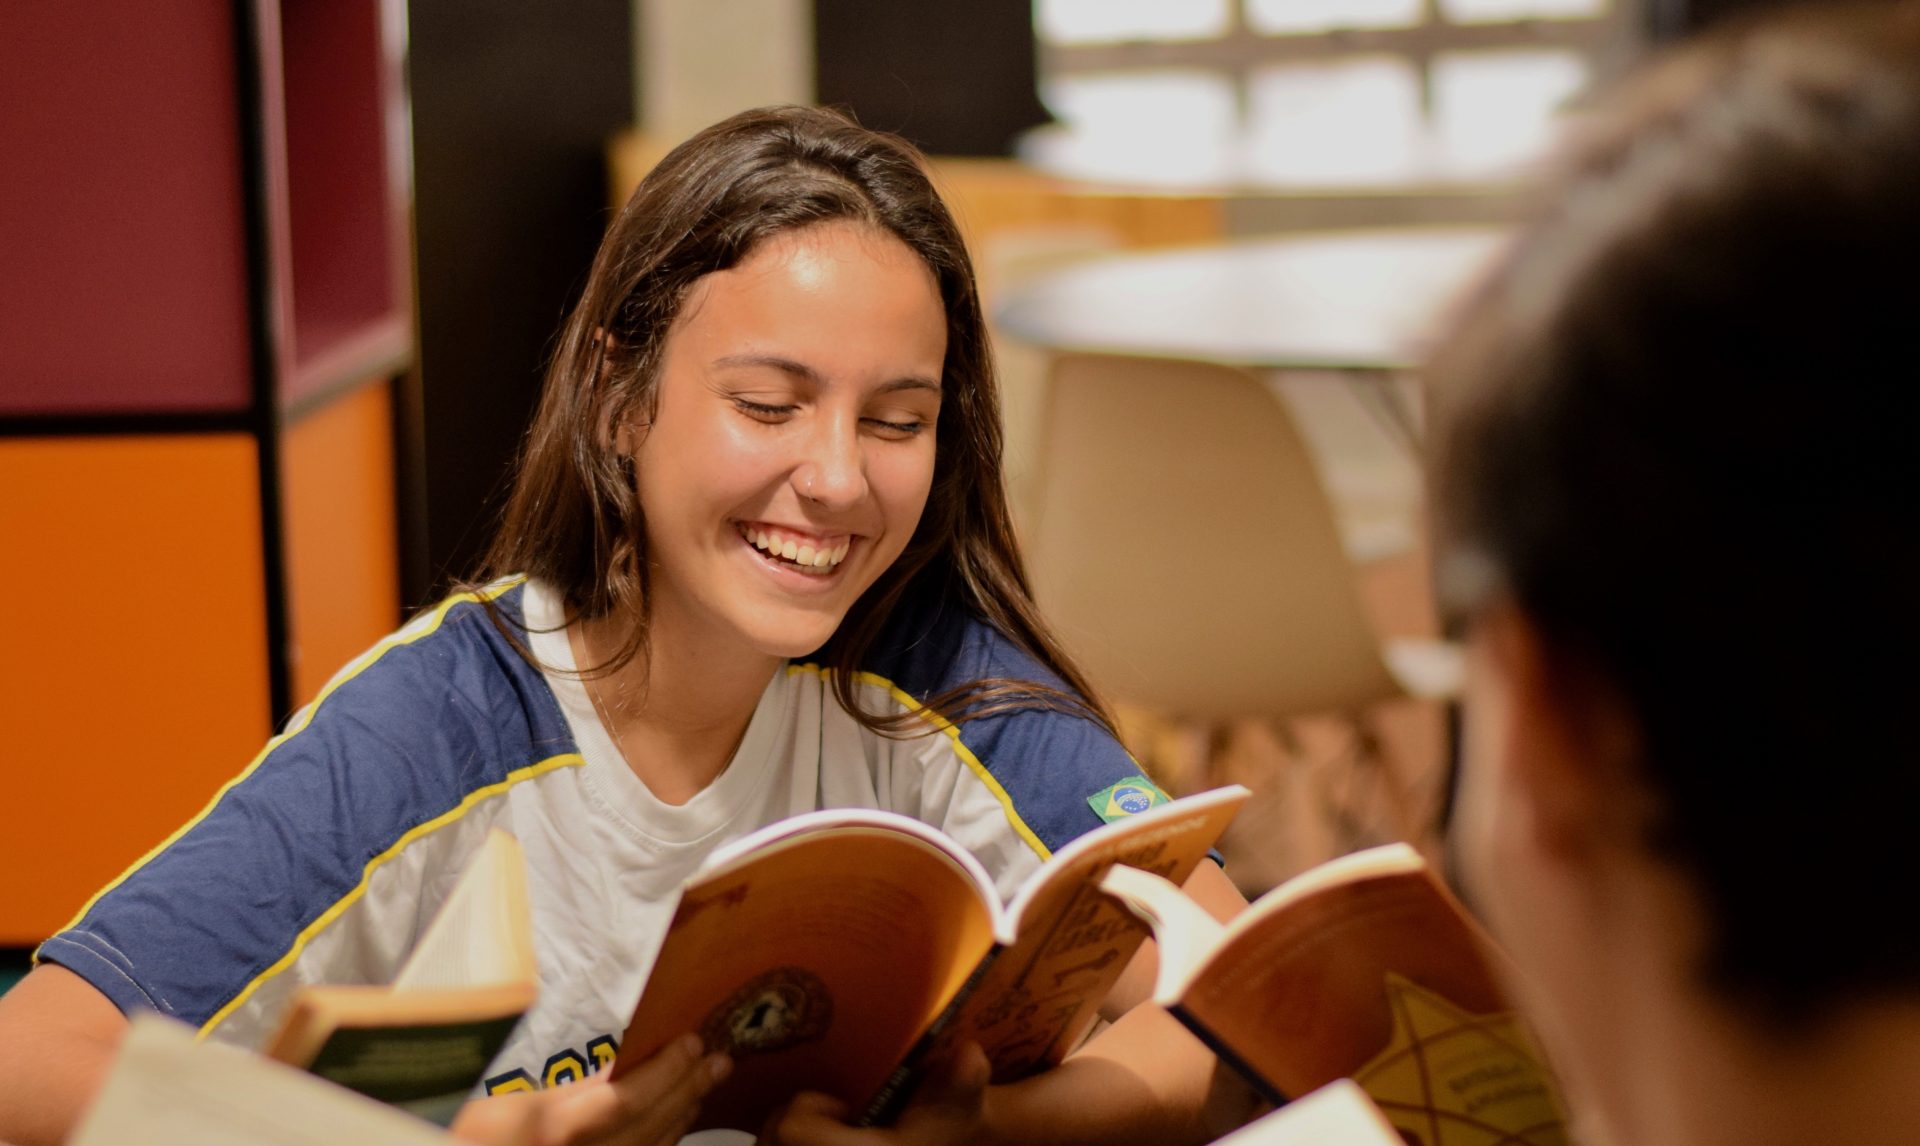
(793, 446)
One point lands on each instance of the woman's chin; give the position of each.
(793, 641)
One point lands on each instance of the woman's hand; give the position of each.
(950, 1107)
(651, 1106)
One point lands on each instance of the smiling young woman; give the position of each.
(756, 561)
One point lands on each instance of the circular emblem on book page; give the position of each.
(781, 1008)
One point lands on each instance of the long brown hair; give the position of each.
(573, 518)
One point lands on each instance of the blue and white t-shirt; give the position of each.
(326, 858)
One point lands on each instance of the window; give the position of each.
(1313, 93)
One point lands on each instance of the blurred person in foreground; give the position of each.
(1675, 502)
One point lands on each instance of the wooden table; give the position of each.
(1362, 303)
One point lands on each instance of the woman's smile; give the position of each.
(812, 555)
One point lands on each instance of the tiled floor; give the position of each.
(1313, 798)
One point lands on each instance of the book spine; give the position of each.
(1229, 1056)
(893, 1094)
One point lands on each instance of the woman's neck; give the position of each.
(677, 712)
(1718, 1082)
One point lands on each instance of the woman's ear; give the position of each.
(1567, 757)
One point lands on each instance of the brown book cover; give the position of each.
(1363, 968)
(839, 951)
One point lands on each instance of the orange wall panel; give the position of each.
(343, 577)
(134, 680)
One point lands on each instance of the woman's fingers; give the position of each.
(654, 1103)
(948, 1110)
(502, 1120)
(809, 1117)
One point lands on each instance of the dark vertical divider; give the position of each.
(251, 59)
(957, 79)
(512, 106)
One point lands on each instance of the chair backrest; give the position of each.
(1185, 551)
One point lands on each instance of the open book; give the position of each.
(1338, 1114)
(424, 1042)
(167, 1089)
(841, 951)
(1362, 968)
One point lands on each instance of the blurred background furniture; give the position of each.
(206, 332)
(1357, 303)
(1337, 322)
(1360, 301)
(1184, 547)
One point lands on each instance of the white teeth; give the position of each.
(807, 556)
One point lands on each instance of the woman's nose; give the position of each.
(833, 472)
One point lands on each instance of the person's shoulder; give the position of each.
(932, 642)
(456, 674)
(400, 744)
(1046, 759)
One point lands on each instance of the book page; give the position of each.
(815, 965)
(166, 1089)
(1043, 992)
(483, 932)
(1185, 933)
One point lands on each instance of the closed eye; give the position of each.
(894, 429)
(762, 411)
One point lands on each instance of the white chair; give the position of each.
(1183, 547)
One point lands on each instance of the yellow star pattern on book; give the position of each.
(1450, 1077)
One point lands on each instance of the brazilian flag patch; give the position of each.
(1129, 797)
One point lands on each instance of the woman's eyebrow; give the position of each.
(771, 361)
(808, 374)
(911, 383)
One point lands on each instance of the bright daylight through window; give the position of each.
(1313, 93)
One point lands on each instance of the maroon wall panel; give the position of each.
(122, 245)
(342, 208)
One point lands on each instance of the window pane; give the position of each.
(1104, 21)
(1295, 16)
(1354, 120)
(1496, 110)
(1155, 126)
(1490, 11)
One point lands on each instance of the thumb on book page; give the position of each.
(957, 1085)
(950, 1106)
(501, 1120)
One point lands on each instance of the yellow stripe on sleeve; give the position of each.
(346, 901)
(943, 725)
(414, 630)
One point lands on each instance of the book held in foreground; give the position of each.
(1362, 968)
(424, 1042)
(843, 951)
(1338, 1114)
(168, 1089)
